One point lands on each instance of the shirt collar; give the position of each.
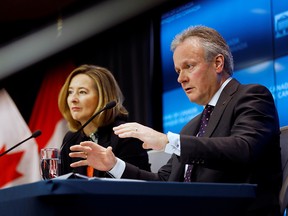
(216, 96)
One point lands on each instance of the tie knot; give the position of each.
(208, 109)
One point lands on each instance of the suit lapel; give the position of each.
(223, 101)
(194, 126)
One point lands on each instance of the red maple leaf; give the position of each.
(8, 167)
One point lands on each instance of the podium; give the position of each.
(125, 197)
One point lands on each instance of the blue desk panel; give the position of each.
(111, 197)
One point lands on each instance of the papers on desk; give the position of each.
(72, 176)
(80, 176)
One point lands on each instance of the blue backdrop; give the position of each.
(257, 33)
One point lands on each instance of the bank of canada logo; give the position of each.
(281, 24)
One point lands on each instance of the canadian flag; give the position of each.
(20, 165)
(46, 115)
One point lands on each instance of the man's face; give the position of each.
(199, 79)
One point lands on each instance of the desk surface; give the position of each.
(78, 196)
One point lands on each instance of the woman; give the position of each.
(86, 91)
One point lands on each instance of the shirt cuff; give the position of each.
(118, 169)
(173, 147)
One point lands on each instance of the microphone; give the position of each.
(34, 135)
(109, 105)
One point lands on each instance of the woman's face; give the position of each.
(82, 97)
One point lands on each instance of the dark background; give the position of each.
(130, 49)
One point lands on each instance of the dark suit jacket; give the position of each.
(240, 145)
(128, 149)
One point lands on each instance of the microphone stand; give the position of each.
(34, 135)
(108, 106)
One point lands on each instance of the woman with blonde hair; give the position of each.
(86, 91)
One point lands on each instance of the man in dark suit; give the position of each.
(240, 144)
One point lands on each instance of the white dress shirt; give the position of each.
(173, 146)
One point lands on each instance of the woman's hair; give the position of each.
(212, 42)
(107, 89)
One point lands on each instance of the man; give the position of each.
(240, 144)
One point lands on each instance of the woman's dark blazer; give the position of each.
(128, 149)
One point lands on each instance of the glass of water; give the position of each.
(49, 163)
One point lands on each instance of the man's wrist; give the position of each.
(118, 169)
(173, 146)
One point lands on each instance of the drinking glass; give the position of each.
(49, 163)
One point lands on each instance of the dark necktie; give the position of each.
(203, 124)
